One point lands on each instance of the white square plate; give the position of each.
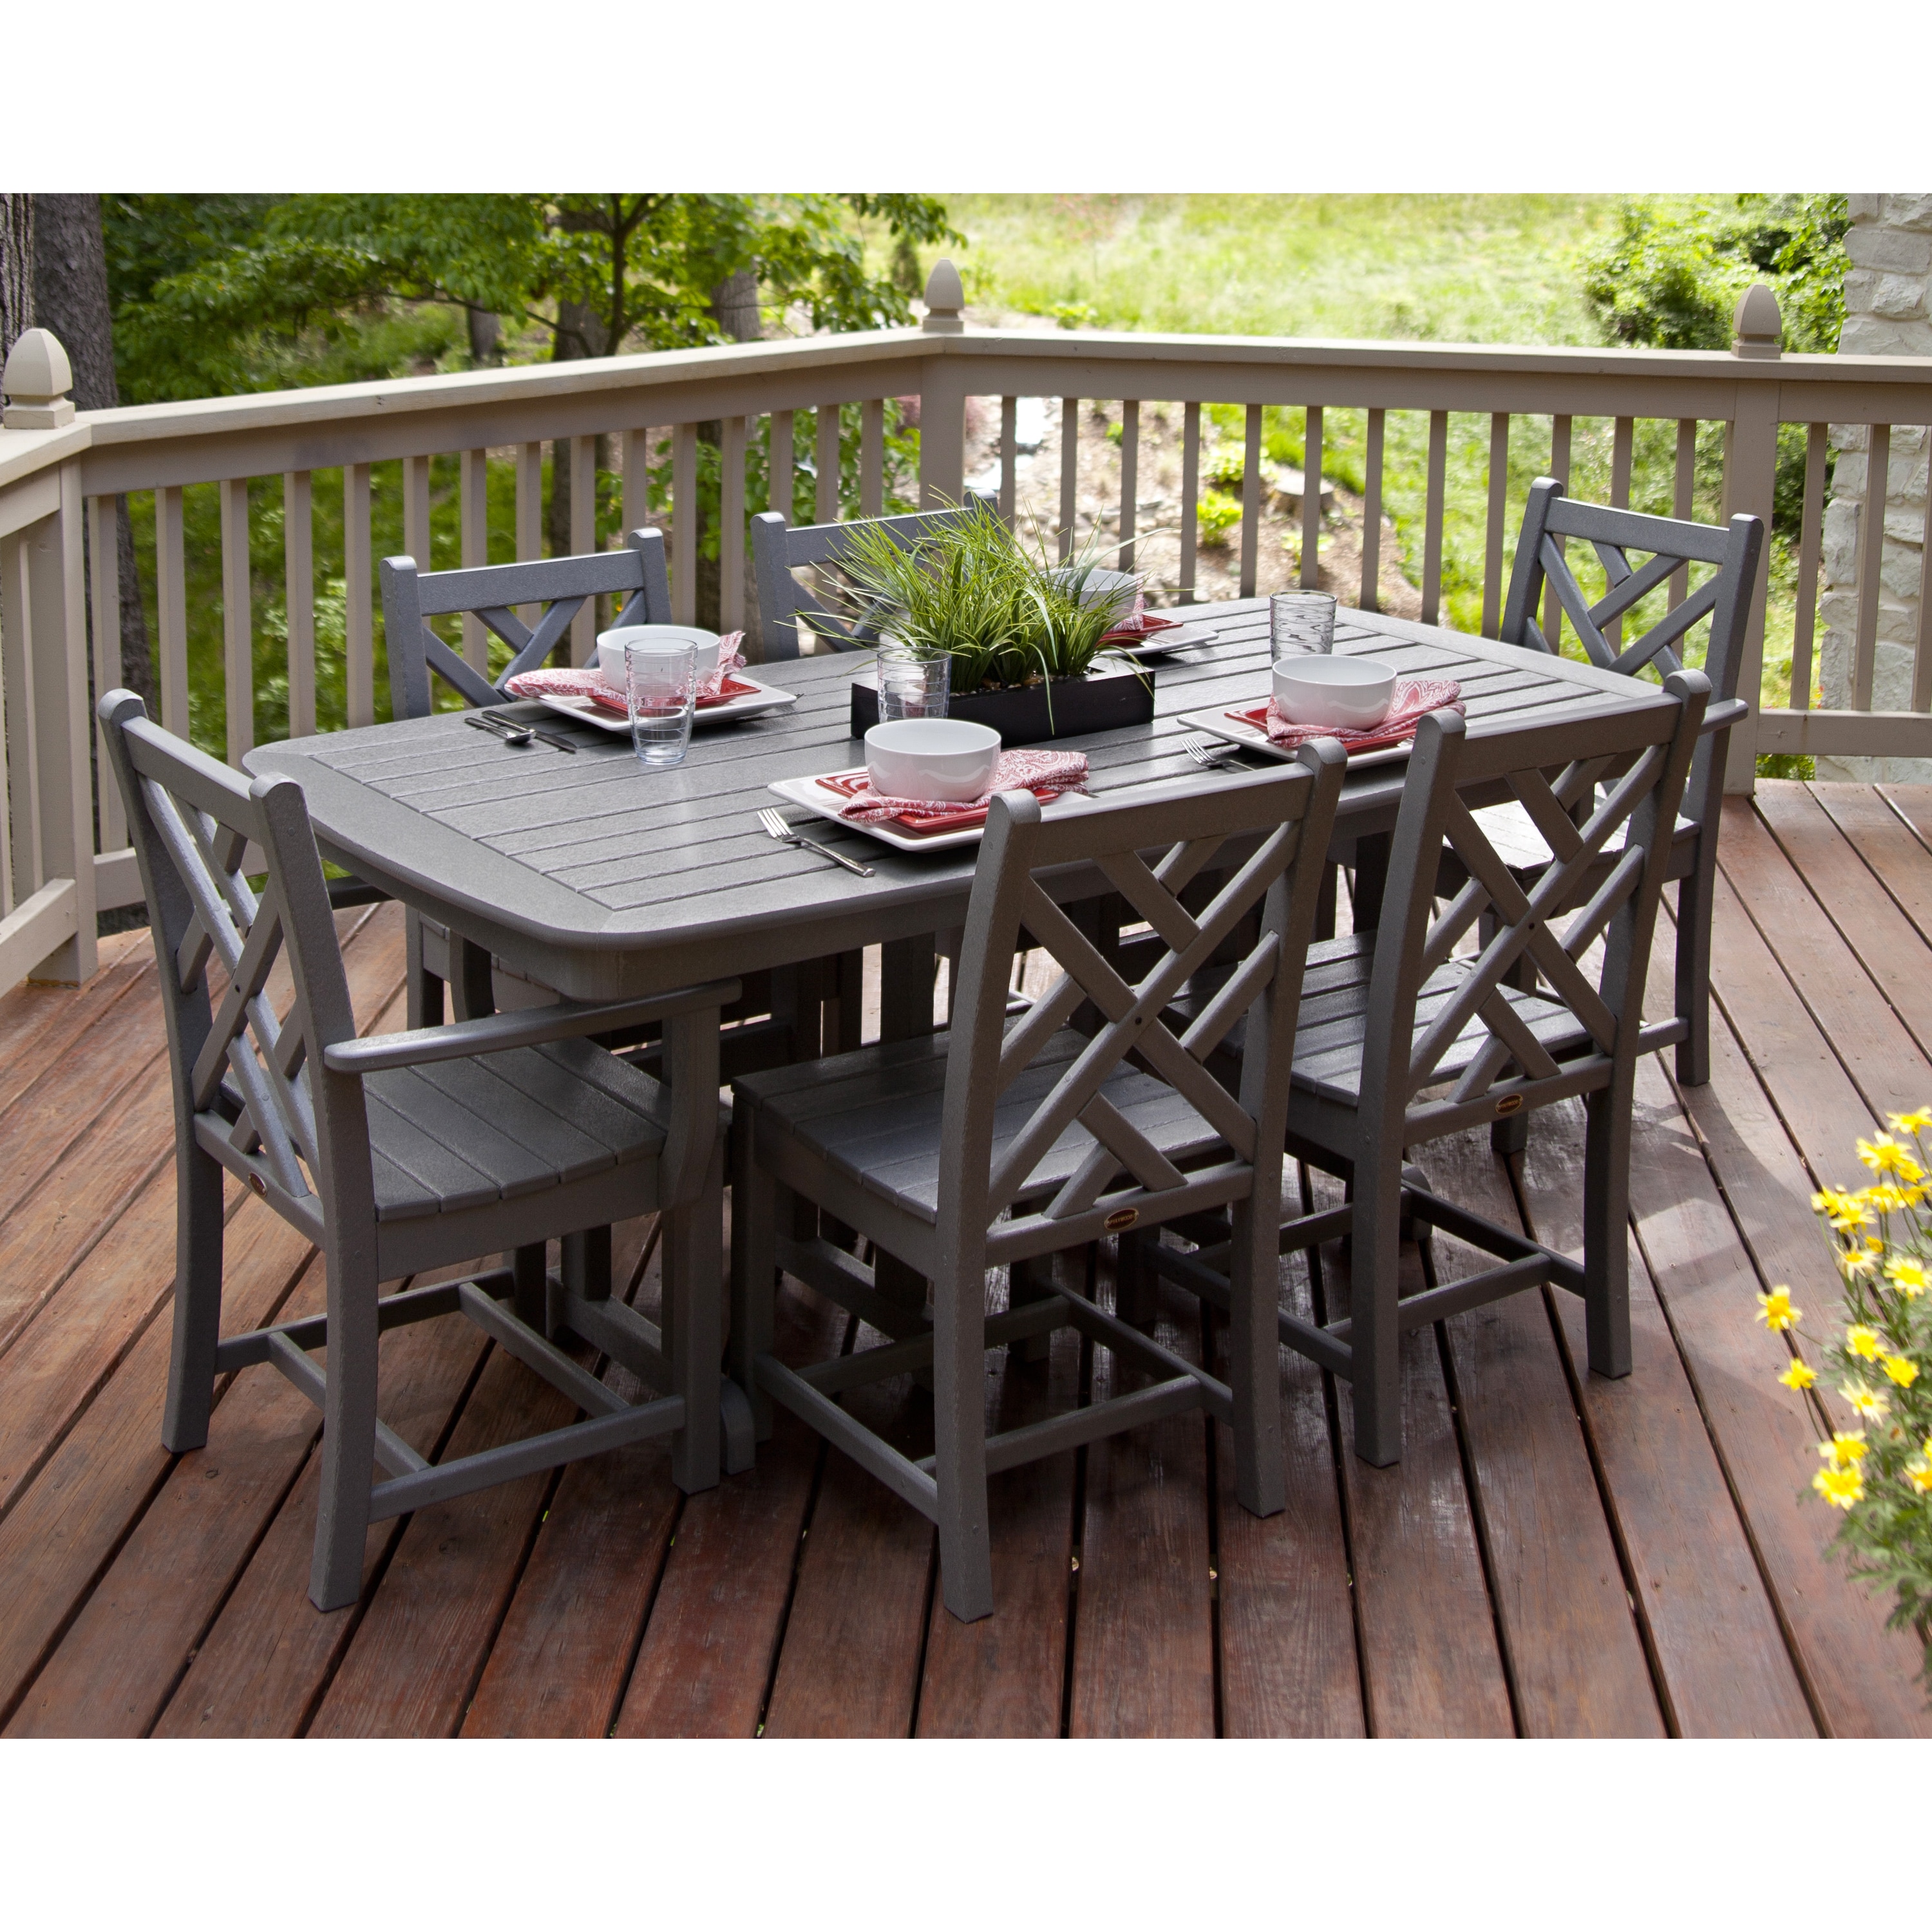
(814, 798)
(753, 703)
(1162, 642)
(1251, 739)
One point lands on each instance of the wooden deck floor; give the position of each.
(1554, 1556)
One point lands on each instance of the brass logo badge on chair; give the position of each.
(1121, 1218)
(1509, 1103)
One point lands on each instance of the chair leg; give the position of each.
(959, 1445)
(586, 1271)
(693, 1323)
(757, 1200)
(529, 1279)
(1254, 1357)
(1606, 1228)
(1134, 1280)
(1375, 1333)
(198, 1229)
(422, 988)
(1693, 973)
(348, 1429)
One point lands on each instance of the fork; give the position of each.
(1208, 752)
(777, 827)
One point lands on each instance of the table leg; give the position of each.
(905, 1013)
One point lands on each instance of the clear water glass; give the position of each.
(661, 694)
(911, 685)
(1301, 623)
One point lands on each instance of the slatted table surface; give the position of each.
(1556, 1555)
(602, 879)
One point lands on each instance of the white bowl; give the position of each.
(610, 647)
(931, 757)
(1353, 693)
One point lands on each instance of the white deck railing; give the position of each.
(66, 859)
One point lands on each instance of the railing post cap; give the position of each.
(37, 380)
(945, 297)
(1758, 329)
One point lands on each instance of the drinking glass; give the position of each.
(1300, 623)
(912, 686)
(661, 694)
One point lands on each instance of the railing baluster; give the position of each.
(1683, 487)
(1431, 536)
(171, 608)
(104, 561)
(530, 516)
(1878, 467)
(238, 643)
(1130, 482)
(583, 541)
(358, 615)
(1370, 595)
(16, 679)
(635, 456)
(1492, 536)
(415, 510)
(1251, 499)
(779, 466)
(1190, 497)
(684, 523)
(298, 592)
(731, 527)
(1810, 549)
(1311, 500)
(1009, 457)
(872, 457)
(1559, 468)
(1921, 660)
(473, 507)
(828, 459)
(1069, 472)
(1622, 453)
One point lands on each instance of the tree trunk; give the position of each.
(70, 285)
(486, 330)
(734, 307)
(581, 332)
(16, 268)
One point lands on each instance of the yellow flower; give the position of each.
(1902, 1371)
(1889, 1199)
(1846, 1449)
(1840, 1208)
(1775, 1309)
(1918, 1473)
(1858, 1261)
(1801, 1374)
(1906, 1275)
(1841, 1488)
(1912, 1123)
(1867, 1402)
(1885, 1155)
(1863, 1342)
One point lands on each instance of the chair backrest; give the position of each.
(778, 549)
(635, 573)
(1434, 1015)
(241, 1077)
(1008, 1109)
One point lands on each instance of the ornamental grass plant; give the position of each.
(1005, 612)
(1871, 1381)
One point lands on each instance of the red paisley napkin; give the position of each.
(1142, 625)
(1413, 699)
(714, 687)
(1046, 774)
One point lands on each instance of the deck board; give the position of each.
(151, 1593)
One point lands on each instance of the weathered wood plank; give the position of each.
(1886, 843)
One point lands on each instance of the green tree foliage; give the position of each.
(219, 294)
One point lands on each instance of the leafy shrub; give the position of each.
(1216, 515)
(1879, 1472)
(1226, 468)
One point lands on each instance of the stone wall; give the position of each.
(1887, 312)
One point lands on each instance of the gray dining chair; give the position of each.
(405, 1152)
(1411, 1033)
(1665, 546)
(779, 549)
(1004, 1140)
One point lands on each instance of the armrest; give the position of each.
(1732, 711)
(496, 1032)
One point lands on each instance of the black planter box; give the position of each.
(1103, 701)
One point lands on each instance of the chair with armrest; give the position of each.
(407, 1153)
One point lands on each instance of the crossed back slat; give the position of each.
(563, 584)
(778, 549)
(1270, 833)
(241, 1071)
(1438, 1014)
(1724, 598)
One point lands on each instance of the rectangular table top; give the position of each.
(606, 881)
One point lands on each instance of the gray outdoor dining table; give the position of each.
(587, 874)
